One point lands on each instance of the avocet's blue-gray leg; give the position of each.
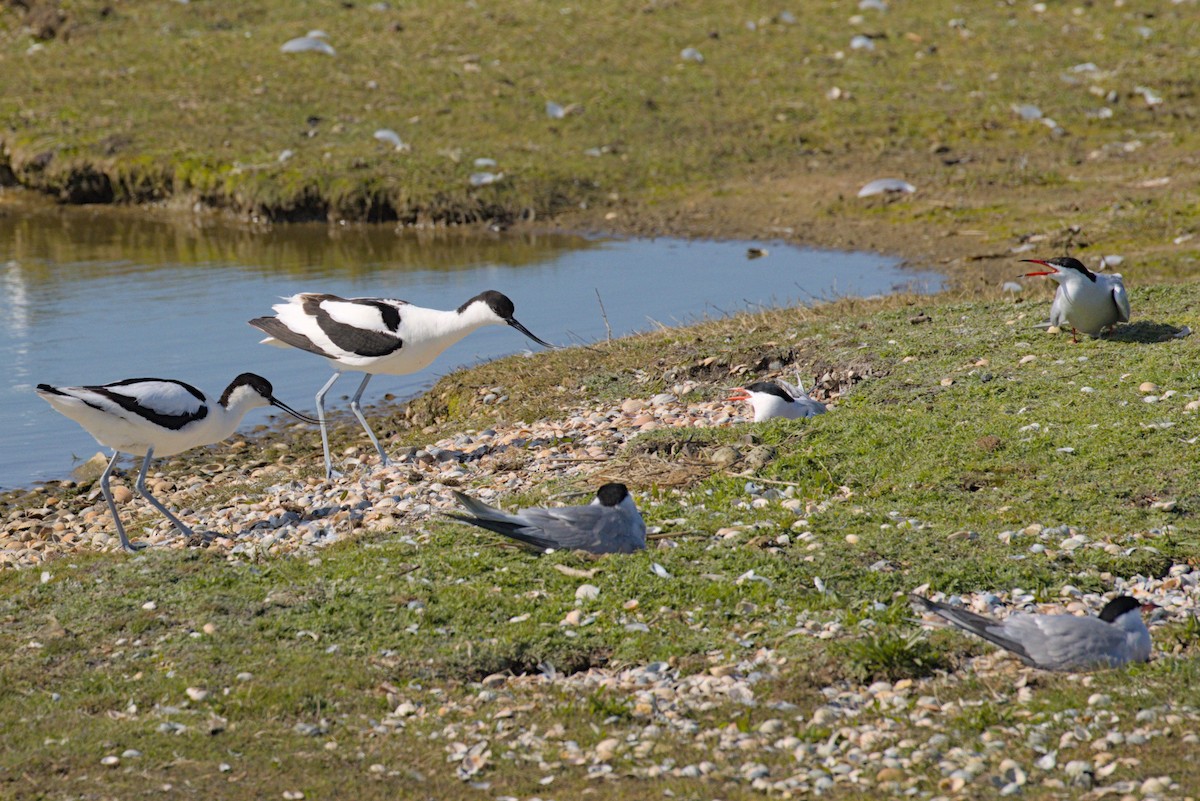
(321, 418)
(140, 486)
(354, 407)
(112, 507)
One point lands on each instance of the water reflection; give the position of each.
(115, 242)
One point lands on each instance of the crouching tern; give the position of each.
(1087, 301)
(159, 416)
(779, 399)
(609, 524)
(1060, 642)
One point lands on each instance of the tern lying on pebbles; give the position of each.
(377, 336)
(1060, 642)
(609, 524)
(1087, 301)
(143, 416)
(779, 399)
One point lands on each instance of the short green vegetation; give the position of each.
(968, 436)
(771, 133)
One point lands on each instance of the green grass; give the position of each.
(139, 102)
(903, 489)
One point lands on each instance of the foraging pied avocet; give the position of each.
(158, 416)
(1086, 301)
(377, 336)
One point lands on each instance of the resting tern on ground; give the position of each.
(1061, 642)
(377, 336)
(609, 524)
(779, 399)
(149, 416)
(1087, 301)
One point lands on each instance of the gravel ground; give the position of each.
(896, 737)
(300, 516)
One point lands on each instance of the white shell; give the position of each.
(391, 137)
(884, 186)
(691, 54)
(485, 162)
(860, 42)
(308, 44)
(1151, 97)
(1027, 111)
(485, 178)
(555, 111)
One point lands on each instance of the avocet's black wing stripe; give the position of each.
(143, 406)
(365, 339)
(271, 326)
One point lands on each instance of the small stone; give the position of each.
(209, 628)
(725, 456)
(852, 539)
(110, 761)
(1099, 699)
(196, 694)
(122, 494)
(1148, 386)
(149, 606)
(889, 775)
(1027, 359)
(606, 749)
(587, 592)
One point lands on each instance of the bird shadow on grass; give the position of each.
(1145, 332)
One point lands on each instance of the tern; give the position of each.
(1087, 301)
(779, 399)
(377, 336)
(158, 416)
(609, 524)
(1061, 642)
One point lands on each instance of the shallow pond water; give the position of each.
(97, 297)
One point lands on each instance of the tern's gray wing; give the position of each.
(483, 511)
(1120, 299)
(594, 528)
(1068, 642)
(1058, 317)
(992, 630)
(792, 389)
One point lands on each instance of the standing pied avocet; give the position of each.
(148, 416)
(780, 399)
(609, 524)
(377, 336)
(1087, 301)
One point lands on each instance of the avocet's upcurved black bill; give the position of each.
(303, 418)
(513, 322)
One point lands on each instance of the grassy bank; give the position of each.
(771, 134)
(969, 439)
